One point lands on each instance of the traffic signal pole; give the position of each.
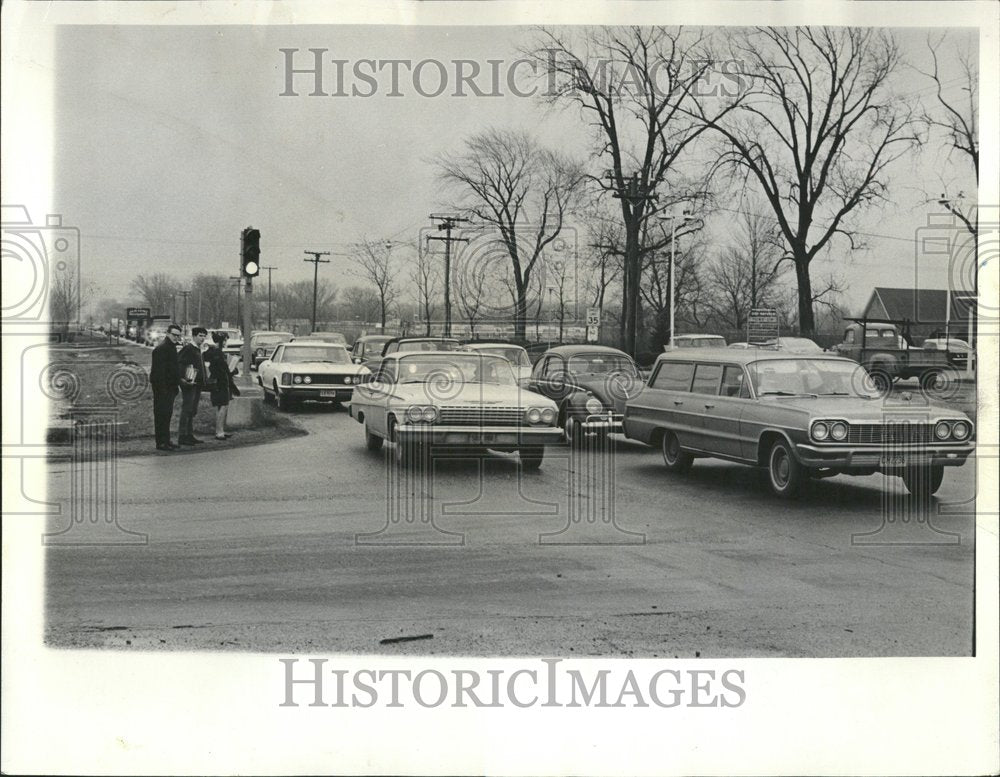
(247, 324)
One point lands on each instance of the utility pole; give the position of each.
(265, 267)
(316, 263)
(238, 283)
(673, 242)
(185, 294)
(447, 223)
(635, 194)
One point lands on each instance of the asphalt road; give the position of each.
(292, 546)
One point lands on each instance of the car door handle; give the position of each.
(678, 401)
(709, 406)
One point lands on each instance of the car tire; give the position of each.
(923, 481)
(882, 381)
(403, 454)
(675, 459)
(785, 474)
(372, 441)
(531, 457)
(573, 430)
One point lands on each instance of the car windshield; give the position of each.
(328, 337)
(272, 339)
(459, 368)
(428, 345)
(820, 377)
(513, 354)
(598, 363)
(316, 353)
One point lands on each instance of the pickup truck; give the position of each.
(887, 352)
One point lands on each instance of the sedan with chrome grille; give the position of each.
(796, 417)
(436, 400)
(309, 371)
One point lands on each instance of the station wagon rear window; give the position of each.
(674, 376)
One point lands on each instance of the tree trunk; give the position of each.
(630, 287)
(520, 312)
(807, 323)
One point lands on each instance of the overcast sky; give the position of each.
(169, 140)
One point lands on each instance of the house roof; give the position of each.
(917, 305)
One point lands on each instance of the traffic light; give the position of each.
(250, 252)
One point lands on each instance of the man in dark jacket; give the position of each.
(165, 377)
(192, 382)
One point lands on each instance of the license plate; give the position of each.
(892, 461)
(328, 394)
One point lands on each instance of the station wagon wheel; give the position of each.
(372, 441)
(923, 481)
(675, 459)
(785, 474)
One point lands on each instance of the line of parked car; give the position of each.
(793, 411)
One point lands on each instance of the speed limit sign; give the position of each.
(593, 317)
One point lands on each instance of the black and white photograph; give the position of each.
(507, 388)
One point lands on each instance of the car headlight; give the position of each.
(534, 415)
(413, 413)
(839, 430)
(960, 430)
(548, 415)
(260, 352)
(594, 406)
(429, 414)
(942, 430)
(307, 379)
(348, 379)
(297, 379)
(820, 431)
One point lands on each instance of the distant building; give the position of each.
(926, 309)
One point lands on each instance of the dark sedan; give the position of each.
(589, 384)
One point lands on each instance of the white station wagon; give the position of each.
(453, 399)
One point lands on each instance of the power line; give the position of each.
(316, 263)
(447, 223)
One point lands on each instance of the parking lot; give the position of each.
(315, 543)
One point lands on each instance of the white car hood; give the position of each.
(321, 367)
(473, 394)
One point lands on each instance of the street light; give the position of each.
(685, 216)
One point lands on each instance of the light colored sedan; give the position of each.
(515, 354)
(453, 399)
(309, 371)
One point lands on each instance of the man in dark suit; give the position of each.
(192, 382)
(165, 377)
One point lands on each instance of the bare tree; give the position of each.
(958, 118)
(214, 299)
(817, 131)
(647, 92)
(294, 300)
(66, 297)
(157, 291)
(374, 257)
(507, 181)
(361, 303)
(426, 279)
(746, 275)
(688, 289)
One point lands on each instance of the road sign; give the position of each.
(762, 326)
(593, 332)
(137, 313)
(593, 317)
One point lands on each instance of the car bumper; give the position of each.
(322, 393)
(488, 436)
(885, 459)
(602, 423)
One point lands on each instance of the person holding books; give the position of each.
(220, 382)
(193, 379)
